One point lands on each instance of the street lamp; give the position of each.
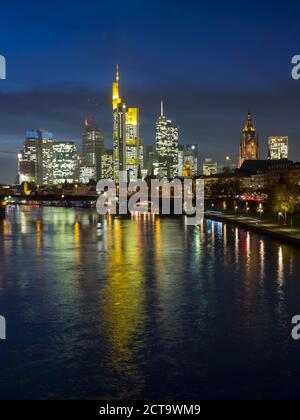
(260, 209)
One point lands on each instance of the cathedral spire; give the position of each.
(249, 147)
(249, 125)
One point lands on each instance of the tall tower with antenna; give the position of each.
(167, 137)
(125, 134)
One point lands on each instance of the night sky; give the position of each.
(209, 61)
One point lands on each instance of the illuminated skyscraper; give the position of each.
(166, 146)
(107, 164)
(278, 148)
(35, 161)
(65, 165)
(125, 134)
(27, 160)
(180, 159)
(132, 142)
(141, 156)
(249, 147)
(92, 147)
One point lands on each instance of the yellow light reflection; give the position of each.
(123, 300)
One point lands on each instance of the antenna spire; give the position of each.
(117, 74)
(162, 108)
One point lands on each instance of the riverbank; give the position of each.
(276, 231)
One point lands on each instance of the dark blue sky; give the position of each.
(209, 61)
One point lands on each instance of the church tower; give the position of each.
(249, 148)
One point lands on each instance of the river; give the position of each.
(146, 308)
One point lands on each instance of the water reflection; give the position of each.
(142, 308)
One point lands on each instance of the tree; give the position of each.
(284, 198)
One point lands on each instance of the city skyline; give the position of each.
(207, 92)
(171, 158)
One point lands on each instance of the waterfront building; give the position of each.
(87, 174)
(167, 138)
(27, 160)
(92, 147)
(65, 166)
(209, 167)
(278, 147)
(249, 146)
(44, 157)
(267, 173)
(35, 160)
(126, 134)
(107, 164)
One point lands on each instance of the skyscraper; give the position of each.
(150, 158)
(167, 137)
(92, 147)
(249, 147)
(141, 156)
(107, 164)
(35, 160)
(125, 134)
(278, 148)
(65, 165)
(27, 160)
(132, 142)
(180, 159)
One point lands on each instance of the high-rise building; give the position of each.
(180, 159)
(45, 161)
(125, 134)
(35, 160)
(132, 142)
(210, 167)
(107, 164)
(92, 147)
(27, 160)
(249, 147)
(167, 137)
(188, 158)
(44, 157)
(278, 148)
(150, 158)
(65, 166)
(141, 156)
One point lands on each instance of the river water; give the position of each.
(147, 308)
